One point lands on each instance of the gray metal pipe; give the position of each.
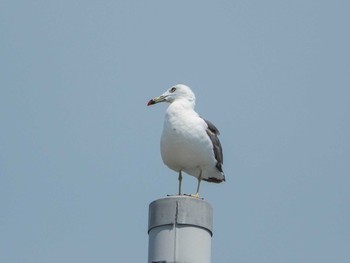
(180, 230)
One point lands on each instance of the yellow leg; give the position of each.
(180, 182)
(198, 185)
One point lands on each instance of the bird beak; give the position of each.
(156, 100)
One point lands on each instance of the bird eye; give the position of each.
(172, 89)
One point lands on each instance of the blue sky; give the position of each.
(79, 149)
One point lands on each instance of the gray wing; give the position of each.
(213, 133)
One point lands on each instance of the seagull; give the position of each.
(189, 143)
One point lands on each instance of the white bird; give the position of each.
(189, 143)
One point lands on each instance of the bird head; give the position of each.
(177, 92)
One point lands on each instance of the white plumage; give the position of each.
(189, 143)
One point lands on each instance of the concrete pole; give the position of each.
(180, 230)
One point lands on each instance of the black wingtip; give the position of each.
(214, 180)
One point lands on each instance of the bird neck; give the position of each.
(181, 104)
(180, 110)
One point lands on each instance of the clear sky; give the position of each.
(79, 148)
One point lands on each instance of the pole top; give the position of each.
(181, 210)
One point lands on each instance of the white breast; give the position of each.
(185, 144)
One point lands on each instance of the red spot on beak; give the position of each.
(151, 102)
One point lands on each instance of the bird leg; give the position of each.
(199, 183)
(180, 182)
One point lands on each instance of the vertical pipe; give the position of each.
(180, 230)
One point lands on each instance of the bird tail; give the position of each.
(215, 180)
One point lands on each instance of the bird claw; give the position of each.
(195, 195)
(189, 195)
